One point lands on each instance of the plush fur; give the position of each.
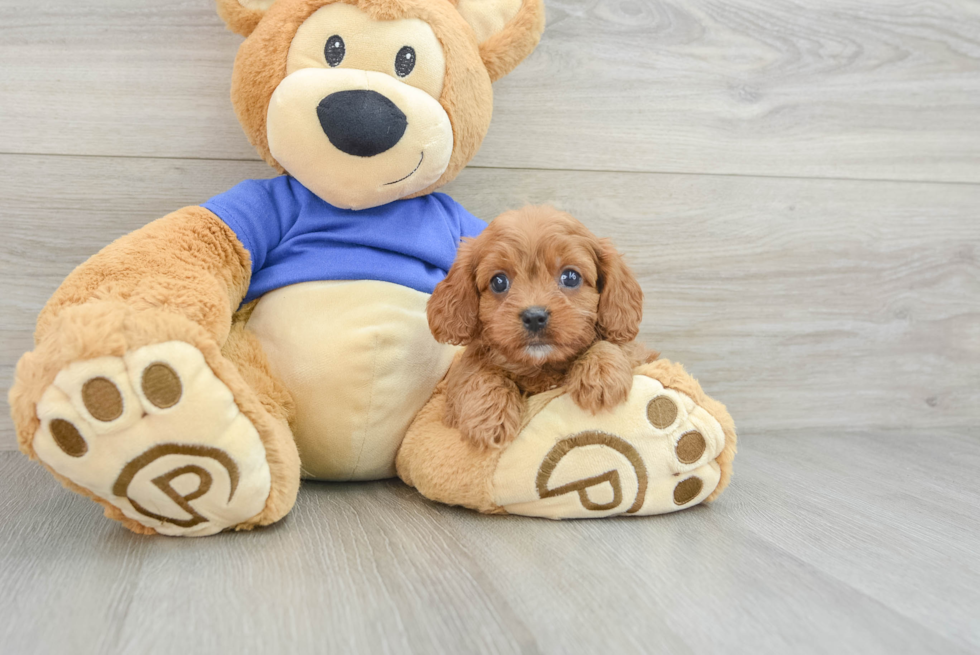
(113, 327)
(447, 469)
(467, 96)
(239, 19)
(503, 51)
(587, 345)
(673, 376)
(182, 276)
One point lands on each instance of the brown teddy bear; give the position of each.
(189, 374)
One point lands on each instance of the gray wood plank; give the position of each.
(337, 576)
(809, 552)
(773, 566)
(835, 89)
(799, 303)
(62, 565)
(837, 319)
(907, 502)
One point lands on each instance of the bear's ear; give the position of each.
(507, 30)
(242, 16)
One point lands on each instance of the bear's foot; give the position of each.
(655, 453)
(157, 435)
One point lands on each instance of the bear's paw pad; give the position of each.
(651, 455)
(159, 436)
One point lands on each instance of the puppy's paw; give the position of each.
(485, 407)
(485, 437)
(601, 379)
(595, 395)
(489, 420)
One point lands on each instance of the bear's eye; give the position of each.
(405, 61)
(335, 50)
(570, 278)
(499, 283)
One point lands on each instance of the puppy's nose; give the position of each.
(535, 319)
(360, 122)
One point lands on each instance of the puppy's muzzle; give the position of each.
(360, 122)
(535, 319)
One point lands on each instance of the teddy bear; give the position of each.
(191, 373)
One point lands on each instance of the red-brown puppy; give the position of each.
(539, 302)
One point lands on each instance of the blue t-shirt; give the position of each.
(293, 236)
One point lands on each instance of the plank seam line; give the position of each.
(552, 170)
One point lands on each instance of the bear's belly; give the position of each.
(359, 361)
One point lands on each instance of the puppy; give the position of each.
(540, 303)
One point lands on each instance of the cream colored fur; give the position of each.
(488, 17)
(171, 289)
(206, 413)
(297, 141)
(442, 466)
(359, 361)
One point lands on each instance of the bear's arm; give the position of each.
(188, 262)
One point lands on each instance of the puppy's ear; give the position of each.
(453, 309)
(507, 30)
(242, 16)
(620, 297)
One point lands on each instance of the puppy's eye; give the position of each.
(570, 279)
(499, 283)
(405, 61)
(335, 50)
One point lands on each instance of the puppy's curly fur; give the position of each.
(540, 302)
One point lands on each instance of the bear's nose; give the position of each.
(361, 123)
(535, 319)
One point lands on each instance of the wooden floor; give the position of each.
(798, 186)
(830, 542)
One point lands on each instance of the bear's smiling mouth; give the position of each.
(410, 174)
